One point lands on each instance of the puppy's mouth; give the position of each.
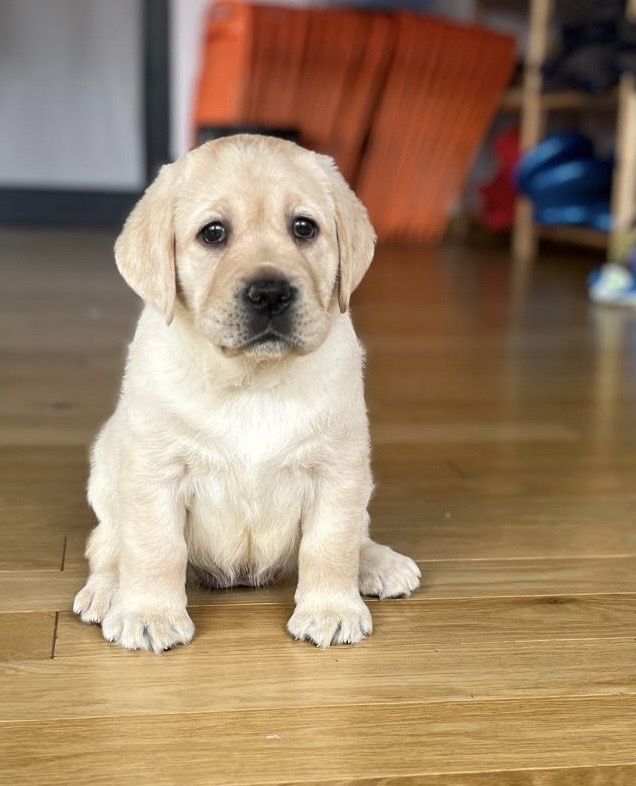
(271, 338)
(268, 342)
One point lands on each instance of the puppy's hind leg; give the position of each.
(384, 573)
(102, 551)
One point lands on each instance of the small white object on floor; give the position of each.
(612, 285)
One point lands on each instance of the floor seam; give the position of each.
(54, 643)
(64, 553)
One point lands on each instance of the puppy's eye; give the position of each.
(213, 233)
(304, 228)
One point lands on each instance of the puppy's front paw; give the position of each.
(331, 621)
(93, 601)
(147, 628)
(386, 574)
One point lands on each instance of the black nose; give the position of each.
(269, 295)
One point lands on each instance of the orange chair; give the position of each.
(401, 101)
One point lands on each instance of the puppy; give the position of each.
(239, 448)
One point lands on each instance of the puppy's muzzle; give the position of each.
(267, 305)
(269, 297)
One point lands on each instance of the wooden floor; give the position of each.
(505, 452)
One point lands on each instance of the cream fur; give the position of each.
(243, 463)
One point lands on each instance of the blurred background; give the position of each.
(437, 112)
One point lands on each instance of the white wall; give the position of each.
(70, 94)
(187, 30)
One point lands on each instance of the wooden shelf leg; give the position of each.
(524, 236)
(624, 185)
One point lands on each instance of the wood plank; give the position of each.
(75, 548)
(528, 577)
(321, 744)
(38, 590)
(624, 775)
(32, 544)
(41, 499)
(398, 622)
(292, 675)
(53, 590)
(242, 657)
(498, 528)
(27, 636)
(482, 433)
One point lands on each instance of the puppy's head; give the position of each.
(260, 240)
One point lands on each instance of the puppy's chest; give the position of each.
(244, 489)
(245, 492)
(252, 465)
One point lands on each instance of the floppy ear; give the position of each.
(355, 234)
(144, 251)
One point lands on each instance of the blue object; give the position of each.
(553, 150)
(567, 183)
(577, 180)
(596, 215)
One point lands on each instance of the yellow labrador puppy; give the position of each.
(239, 447)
